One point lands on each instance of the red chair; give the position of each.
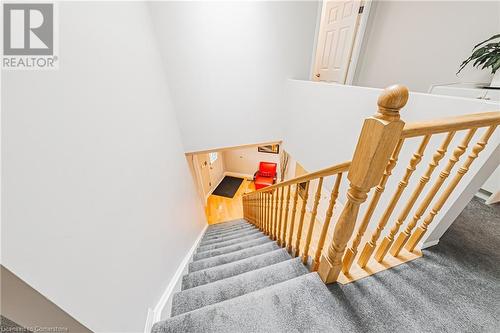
(266, 175)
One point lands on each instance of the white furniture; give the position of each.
(467, 90)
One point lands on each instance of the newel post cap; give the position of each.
(391, 100)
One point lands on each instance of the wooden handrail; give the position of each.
(382, 137)
(474, 120)
(330, 171)
(410, 130)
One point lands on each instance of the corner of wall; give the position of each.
(164, 304)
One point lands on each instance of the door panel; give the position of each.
(339, 20)
(204, 166)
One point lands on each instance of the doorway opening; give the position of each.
(222, 176)
(342, 26)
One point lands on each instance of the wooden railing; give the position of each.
(278, 211)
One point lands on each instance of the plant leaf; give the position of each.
(495, 66)
(479, 61)
(491, 38)
(489, 62)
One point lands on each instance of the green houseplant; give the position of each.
(486, 55)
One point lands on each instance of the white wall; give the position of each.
(245, 161)
(99, 207)
(420, 43)
(227, 64)
(323, 122)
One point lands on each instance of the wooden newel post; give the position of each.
(378, 138)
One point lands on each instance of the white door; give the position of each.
(216, 168)
(339, 20)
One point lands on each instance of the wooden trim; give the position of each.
(249, 145)
(359, 41)
(468, 121)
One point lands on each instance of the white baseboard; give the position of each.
(149, 321)
(429, 244)
(238, 174)
(174, 284)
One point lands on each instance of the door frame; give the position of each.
(359, 38)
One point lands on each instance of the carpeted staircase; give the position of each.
(242, 281)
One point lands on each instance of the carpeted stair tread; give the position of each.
(232, 236)
(208, 275)
(302, 304)
(228, 224)
(232, 248)
(221, 290)
(228, 243)
(229, 233)
(226, 232)
(232, 256)
(226, 229)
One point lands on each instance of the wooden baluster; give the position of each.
(273, 220)
(276, 206)
(353, 249)
(457, 152)
(250, 209)
(438, 156)
(314, 212)
(256, 208)
(476, 150)
(280, 219)
(263, 208)
(275, 209)
(264, 204)
(329, 213)
(271, 207)
(268, 223)
(414, 161)
(370, 246)
(292, 221)
(285, 221)
(378, 139)
(264, 224)
(260, 211)
(245, 208)
(296, 252)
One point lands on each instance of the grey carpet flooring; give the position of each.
(234, 268)
(232, 256)
(454, 287)
(228, 249)
(225, 243)
(250, 285)
(302, 304)
(210, 241)
(218, 291)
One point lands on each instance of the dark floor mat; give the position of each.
(228, 186)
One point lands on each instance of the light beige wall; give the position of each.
(30, 309)
(245, 161)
